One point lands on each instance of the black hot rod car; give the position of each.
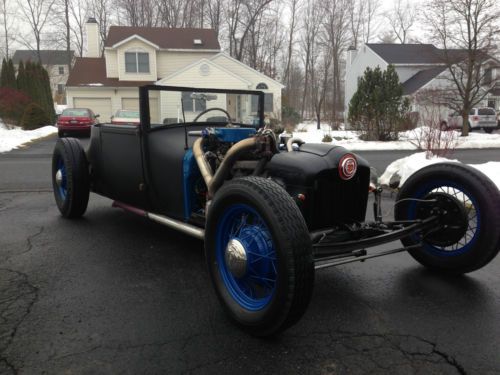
(270, 214)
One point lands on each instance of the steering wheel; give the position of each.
(213, 109)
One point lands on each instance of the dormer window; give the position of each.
(136, 62)
(197, 42)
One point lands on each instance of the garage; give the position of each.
(133, 104)
(100, 106)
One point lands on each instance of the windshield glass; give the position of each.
(486, 111)
(127, 114)
(218, 109)
(75, 112)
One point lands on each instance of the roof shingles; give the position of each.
(166, 38)
(89, 71)
(48, 57)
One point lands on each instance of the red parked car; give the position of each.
(76, 120)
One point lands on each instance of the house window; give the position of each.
(192, 105)
(268, 102)
(136, 62)
(262, 86)
(488, 76)
(60, 89)
(61, 70)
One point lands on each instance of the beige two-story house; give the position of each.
(56, 64)
(108, 78)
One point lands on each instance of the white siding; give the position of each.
(111, 63)
(364, 58)
(212, 77)
(254, 77)
(171, 62)
(406, 72)
(136, 46)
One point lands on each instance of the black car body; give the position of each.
(271, 214)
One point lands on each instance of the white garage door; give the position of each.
(133, 105)
(100, 106)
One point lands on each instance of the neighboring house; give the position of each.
(419, 67)
(56, 64)
(136, 56)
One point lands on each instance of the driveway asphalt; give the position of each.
(113, 293)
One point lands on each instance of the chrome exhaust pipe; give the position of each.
(180, 226)
(212, 181)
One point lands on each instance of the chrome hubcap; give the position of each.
(236, 258)
(59, 178)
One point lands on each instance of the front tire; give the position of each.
(468, 238)
(259, 255)
(70, 177)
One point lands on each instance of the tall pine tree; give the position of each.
(378, 107)
(11, 75)
(3, 74)
(21, 79)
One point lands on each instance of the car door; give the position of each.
(120, 167)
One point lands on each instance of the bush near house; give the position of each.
(378, 108)
(26, 100)
(12, 105)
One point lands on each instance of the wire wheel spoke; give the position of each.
(471, 214)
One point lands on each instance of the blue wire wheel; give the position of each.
(471, 216)
(61, 178)
(465, 205)
(246, 257)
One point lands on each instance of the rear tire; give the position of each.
(488, 130)
(271, 286)
(70, 177)
(474, 197)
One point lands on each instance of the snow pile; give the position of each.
(13, 138)
(309, 133)
(403, 168)
(350, 139)
(60, 108)
(490, 169)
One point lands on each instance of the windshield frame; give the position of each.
(144, 110)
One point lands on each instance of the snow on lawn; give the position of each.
(405, 167)
(15, 137)
(350, 139)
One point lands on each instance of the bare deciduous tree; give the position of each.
(214, 15)
(294, 8)
(242, 17)
(36, 14)
(336, 28)
(310, 31)
(7, 25)
(401, 19)
(466, 30)
(78, 16)
(101, 11)
(369, 15)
